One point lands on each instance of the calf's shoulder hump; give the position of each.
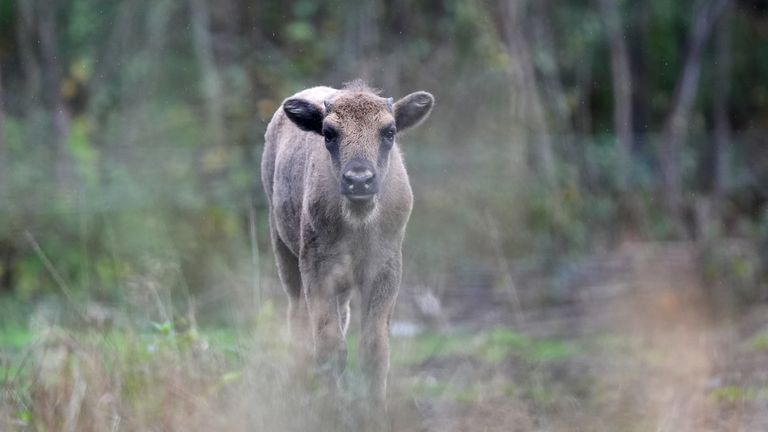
(279, 126)
(280, 121)
(315, 94)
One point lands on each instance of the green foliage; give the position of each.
(736, 273)
(760, 342)
(492, 346)
(15, 338)
(733, 394)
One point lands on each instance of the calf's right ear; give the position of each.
(304, 114)
(413, 109)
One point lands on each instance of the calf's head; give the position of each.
(359, 129)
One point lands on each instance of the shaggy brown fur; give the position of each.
(327, 240)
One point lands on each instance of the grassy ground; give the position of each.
(651, 359)
(493, 379)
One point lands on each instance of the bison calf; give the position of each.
(339, 200)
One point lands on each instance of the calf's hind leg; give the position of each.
(288, 270)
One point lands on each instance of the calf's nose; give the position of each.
(359, 177)
(358, 181)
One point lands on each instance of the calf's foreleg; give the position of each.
(327, 297)
(377, 305)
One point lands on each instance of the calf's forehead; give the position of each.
(359, 110)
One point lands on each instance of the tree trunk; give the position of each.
(360, 41)
(157, 19)
(722, 150)
(4, 175)
(25, 34)
(583, 115)
(638, 41)
(8, 258)
(622, 88)
(528, 113)
(52, 76)
(676, 126)
(7, 251)
(210, 80)
(542, 41)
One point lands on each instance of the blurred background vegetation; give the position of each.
(131, 131)
(564, 133)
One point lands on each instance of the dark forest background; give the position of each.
(130, 131)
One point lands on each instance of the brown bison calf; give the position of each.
(339, 200)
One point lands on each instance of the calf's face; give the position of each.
(359, 130)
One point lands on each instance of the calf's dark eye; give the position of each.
(330, 136)
(388, 134)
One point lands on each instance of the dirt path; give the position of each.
(700, 374)
(650, 357)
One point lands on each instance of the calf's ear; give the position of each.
(413, 109)
(304, 114)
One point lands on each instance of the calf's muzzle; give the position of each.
(359, 181)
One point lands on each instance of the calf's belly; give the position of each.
(286, 219)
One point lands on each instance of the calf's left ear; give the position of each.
(413, 109)
(304, 114)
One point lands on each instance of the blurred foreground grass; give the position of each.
(173, 376)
